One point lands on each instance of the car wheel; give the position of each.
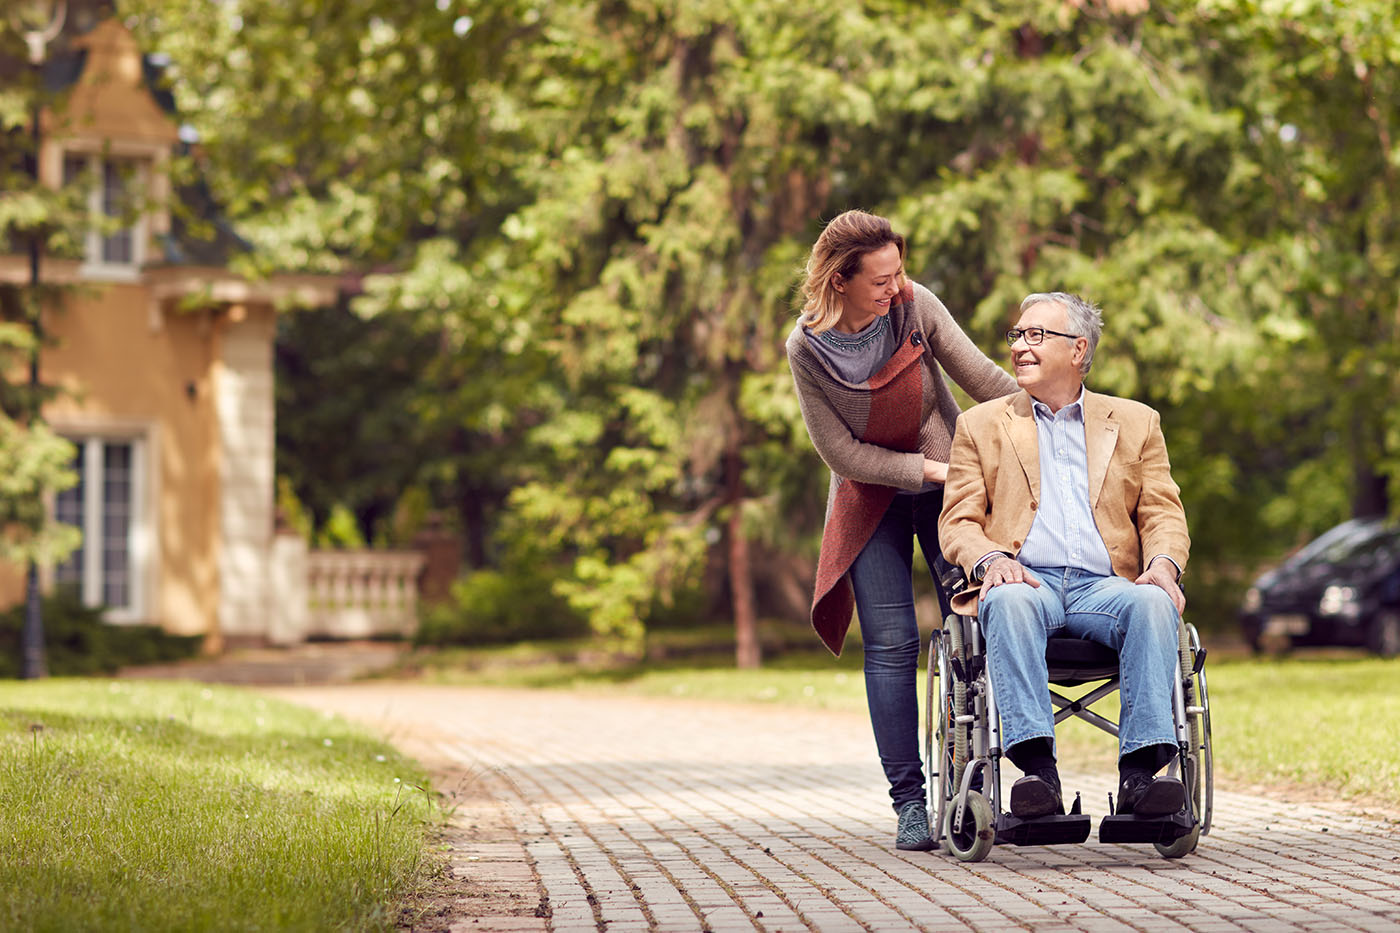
(1383, 634)
(1251, 630)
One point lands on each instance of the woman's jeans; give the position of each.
(1137, 621)
(882, 577)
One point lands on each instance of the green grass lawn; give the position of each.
(165, 806)
(1329, 722)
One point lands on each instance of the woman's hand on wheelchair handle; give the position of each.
(1006, 570)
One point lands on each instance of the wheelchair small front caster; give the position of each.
(978, 834)
(1182, 847)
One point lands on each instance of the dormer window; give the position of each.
(116, 191)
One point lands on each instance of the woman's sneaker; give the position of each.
(913, 834)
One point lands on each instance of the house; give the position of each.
(164, 360)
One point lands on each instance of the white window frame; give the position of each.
(94, 266)
(141, 536)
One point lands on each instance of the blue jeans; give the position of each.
(882, 577)
(1139, 622)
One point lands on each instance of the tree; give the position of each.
(595, 213)
(34, 463)
(362, 444)
(345, 137)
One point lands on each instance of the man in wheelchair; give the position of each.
(1061, 505)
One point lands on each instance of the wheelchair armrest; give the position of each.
(950, 576)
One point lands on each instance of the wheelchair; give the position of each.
(962, 748)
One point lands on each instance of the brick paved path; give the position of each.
(639, 814)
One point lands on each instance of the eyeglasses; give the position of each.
(1034, 336)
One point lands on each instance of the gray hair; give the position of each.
(1085, 319)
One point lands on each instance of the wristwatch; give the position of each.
(979, 572)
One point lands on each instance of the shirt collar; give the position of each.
(1074, 409)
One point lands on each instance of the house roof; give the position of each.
(65, 58)
(200, 233)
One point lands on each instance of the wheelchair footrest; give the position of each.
(1129, 827)
(1043, 830)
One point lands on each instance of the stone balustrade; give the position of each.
(342, 594)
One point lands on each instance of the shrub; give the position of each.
(341, 530)
(78, 642)
(492, 607)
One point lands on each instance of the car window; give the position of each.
(1368, 547)
(1333, 541)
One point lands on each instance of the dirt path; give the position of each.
(593, 812)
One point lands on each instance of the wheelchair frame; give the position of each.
(963, 741)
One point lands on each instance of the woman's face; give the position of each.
(867, 294)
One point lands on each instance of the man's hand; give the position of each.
(1162, 573)
(1005, 570)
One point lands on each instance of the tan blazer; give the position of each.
(993, 487)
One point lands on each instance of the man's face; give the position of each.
(1050, 371)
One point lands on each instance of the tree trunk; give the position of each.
(1370, 492)
(747, 653)
(1371, 495)
(472, 514)
(746, 648)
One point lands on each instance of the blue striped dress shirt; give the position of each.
(1063, 533)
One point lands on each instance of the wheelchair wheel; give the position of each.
(961, 732)
(933, 712)
(947, 746)
(946, 740)
(1199, 695)
(1198, 775)
(954, 741)
(974, 841)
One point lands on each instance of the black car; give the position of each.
(1342, 588)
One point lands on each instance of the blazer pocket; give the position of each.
(1130, 480)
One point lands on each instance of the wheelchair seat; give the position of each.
(1073, 661)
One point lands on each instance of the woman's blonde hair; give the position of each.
(839, 251)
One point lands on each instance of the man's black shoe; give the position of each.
(1146, 795)
(1037, 795)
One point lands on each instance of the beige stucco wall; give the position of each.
(125, 369)
(195, 385)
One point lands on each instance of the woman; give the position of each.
(868, 354)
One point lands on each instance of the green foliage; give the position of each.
(410, 516)
(348, 429)
(489, 607)
(179, 806)
(341, 530)
(34, 463)
(55, 219)
(291, 511)
(79, 643)
(587, 219)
